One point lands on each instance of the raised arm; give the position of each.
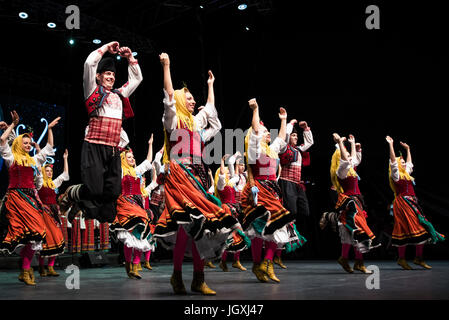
(150, 149)
(407, 148)
(255, 122)
(283, 130)
(352, 143)
(168, 85)
(134, 73)
(65, 156)
(91, 64)
(210, 86)
(8, 130)
(339, 140)
(50, 140)
(392, 153)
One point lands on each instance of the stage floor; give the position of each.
(303, 280)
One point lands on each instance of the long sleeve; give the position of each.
(134, 79)
(143, 167)
(308, 139)
(231, 163)
(277, 145)
(38, 181)
(169, 118)
(153, 185)
(208, 116)
(157, 162)
(60, 179)
(409, 167)
(254, 148)
(221, 183)
(41, 157)
(394, 171)
(6, 154)
(343, 169)
(358, 159)
(90, 72)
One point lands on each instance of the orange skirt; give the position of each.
(353, 217)
(131, 217)
(407, 228)
(186, 205)
(26, 222)
(54, 241)
(267, 201)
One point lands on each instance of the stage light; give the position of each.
(96, 41)
(51, 25)
(242, 6)
(23, 15)
(201, 7)
(118, 57)
(247, 28)
(134, 54)
(71, 42)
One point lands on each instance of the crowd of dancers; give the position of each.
(251, 202)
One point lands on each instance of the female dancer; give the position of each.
(24, 210)
(225, 188)
(55, 240)
(132, 225)
(410, 225)
(352, 223)
(190, 214)
(264, 216)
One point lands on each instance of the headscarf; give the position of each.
(227, 181)
(21, 157)
(185, 119)
(403, 175)
(142, 188)
(127, 170)
(335, 163)
(48, 182)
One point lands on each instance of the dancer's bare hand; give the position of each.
(404, 145)
(253, 104)
(351, 139)
(151, 140)
(54, 123)
(389, 139)
(113, 47)
(125, 52)
(15, 118)
(66, 154)
(164, 59)
(211, 79)
(282, 114)
(303, 124)
(3, 125)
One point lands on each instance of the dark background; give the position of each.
(317, 60)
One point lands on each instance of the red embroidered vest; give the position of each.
(265, 168)
(227, 195)
(47, 195)
(130, 186)
(188, 145)
(350, 185)
(97, 98)
(404, 188)
(21, 177)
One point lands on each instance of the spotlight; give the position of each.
(201, 7)
(247, 28)
(96, 41)
(51, 25)
(242, 6)
(118, 57)
(71, 42)
(134, 54)
(23, 15)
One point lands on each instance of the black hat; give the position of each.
(106, 64)
(294, 130)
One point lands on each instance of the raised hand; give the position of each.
(253, 104)
(211, 79)
(15, 118)
(389, 139)
(66, 154)
(54, 123)
(351, 139)
(358, 147)
(404, 145)
(113, 47)
(3, 125)
(282, 114)
(336, 137)
(225, 157)
(303, 124)
(164, 59)
(293, 122)
(125, 52)
(151, 140)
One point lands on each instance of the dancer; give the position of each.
(26, 225)
(132, 225)
(411, 227)
(264, 216)
(191, 214)
(353, 228)
(225, 188)
(293, 195)
(55, 242)
(100, 160)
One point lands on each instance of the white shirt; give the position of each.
(395, 169)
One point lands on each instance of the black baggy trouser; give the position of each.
(102, 182)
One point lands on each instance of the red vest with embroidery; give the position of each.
(99, 95)
(21, 177)
(47, 195)
(265, 168)
(350, 185)
(130, 186)
(188, 144)
(227, 195)
(404, 187)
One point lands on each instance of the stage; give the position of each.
(303, 280)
